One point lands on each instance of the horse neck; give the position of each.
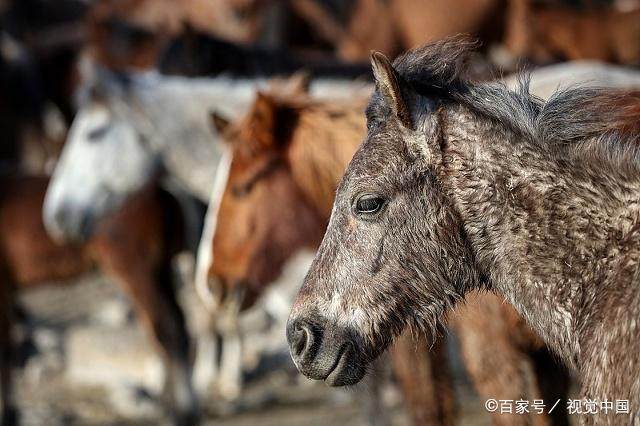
(321, 147)
(545, 231)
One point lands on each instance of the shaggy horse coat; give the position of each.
(463, 186)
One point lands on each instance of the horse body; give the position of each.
(460, 187)
(287, 155)
(550, 32)
(134, 246)
(590, 326)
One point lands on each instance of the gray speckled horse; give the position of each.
(461, 186)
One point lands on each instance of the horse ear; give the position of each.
(387, 83)
(298, 83)
(264, 119)
(272, 121)
(219, 122)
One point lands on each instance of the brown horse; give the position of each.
(134, 246)
(287, 157)
(131, 34)
(545, 32)
(396, 25)
(462, 186)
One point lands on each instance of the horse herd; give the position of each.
(460, 191)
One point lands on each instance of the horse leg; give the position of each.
(228, 327)
(425, 380)
(9, 410)
(156, 306)
(207, 360)
(498, 367)
(176, 344)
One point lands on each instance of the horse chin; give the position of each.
(348, 369)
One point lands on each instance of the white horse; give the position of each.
(129, 129)
(132, 127)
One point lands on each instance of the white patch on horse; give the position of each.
(205, 248)
(355, 317)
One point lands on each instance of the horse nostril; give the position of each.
(300, 338)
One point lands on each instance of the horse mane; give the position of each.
(317, 138)
(592, 122)
(325, 140)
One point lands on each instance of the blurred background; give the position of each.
(80, 345)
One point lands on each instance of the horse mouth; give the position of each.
(343, 372)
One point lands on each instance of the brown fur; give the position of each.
(396, 25)
(134, 246)
(293, 152)
(132, 34)
(545, 33)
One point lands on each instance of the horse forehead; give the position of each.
(378, 155)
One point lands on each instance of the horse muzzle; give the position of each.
(68, 224)
(323, 352)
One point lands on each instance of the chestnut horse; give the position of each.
(285, 159)
(134, 246)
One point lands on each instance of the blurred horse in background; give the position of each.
(396, 25)
(551, 31)
(134, 246)
(129, 129)
(160, 122)
(348, 29)
(283, 163)
(194, 37)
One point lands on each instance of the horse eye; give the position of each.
(240, 191)
(97, 133)
(369, 204)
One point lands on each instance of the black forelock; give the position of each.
(437, 68)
